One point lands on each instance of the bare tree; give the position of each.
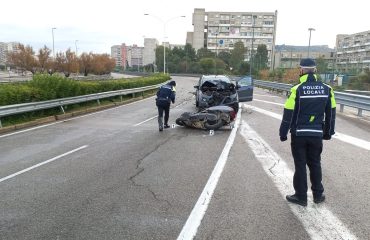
(44, 61)
(23, 59)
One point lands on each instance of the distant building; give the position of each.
(219, 31)
(116, 54)
(353, 52)
(150, 44)
(127, 56)
(288, 56)
(6, 48)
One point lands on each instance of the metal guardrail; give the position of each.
(360, 102)
(34, 106)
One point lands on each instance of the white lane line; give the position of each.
(264, 95)
(193, 222)
(151, 118)
(319, 221)
(42, 163)
(147, 120)
(70, 119)
(274, 103)
(340, 136)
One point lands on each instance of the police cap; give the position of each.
(307, 63)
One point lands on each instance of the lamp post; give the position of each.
(309, 41)
(52, 33)
(216, 54)
(251, 58)
(76, 47)
(164, 22)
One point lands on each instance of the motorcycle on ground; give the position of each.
(211, 118)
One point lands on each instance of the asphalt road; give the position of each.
(113, 175)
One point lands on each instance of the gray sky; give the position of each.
(97, 25)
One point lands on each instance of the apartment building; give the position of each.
(353, 52)
(127, 56)
(116, 54)
(288, 56)
(219, 31)
(150, 44)
(5, 48)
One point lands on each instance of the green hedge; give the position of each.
(45, 87)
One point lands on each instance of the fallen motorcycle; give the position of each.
(211, 118)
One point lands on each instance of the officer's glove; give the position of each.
(283, 138)
(326, 137)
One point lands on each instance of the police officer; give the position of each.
(165, 95)
(309, 113)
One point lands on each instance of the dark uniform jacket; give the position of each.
(310, 109)
(165, 95)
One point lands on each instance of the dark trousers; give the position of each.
(307, 150)
(166, 110)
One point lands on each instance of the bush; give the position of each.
(45, 87)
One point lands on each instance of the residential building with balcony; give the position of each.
(353, 52)
(288, 56)
(127, 56)
(219, 31)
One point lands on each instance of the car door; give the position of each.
(245, 89)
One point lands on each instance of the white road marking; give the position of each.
(70, 119)
(258, 100)
(151, 118)
(264, 95)
(340, 136)
(42, 163)
(193, 222)
(147, 120)
(319, 222)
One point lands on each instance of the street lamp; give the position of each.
(309, 41)
(216, 54)
(76, 47)
(164, 35)
(52, 33)
(251, 57)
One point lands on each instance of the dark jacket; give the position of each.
(165, 95)
(310, 109)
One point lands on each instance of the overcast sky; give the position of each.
(97, 25)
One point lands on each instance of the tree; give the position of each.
(207, 65)
(321, 65)
(44, 61)
(159, 57)
(23, 58)
(205, 53)
(102, 64)
(260, 60)
(225, 56)
(190, 53)
(86, 63)
(71, 64)
(237, 55)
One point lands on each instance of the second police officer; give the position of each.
(309, 114)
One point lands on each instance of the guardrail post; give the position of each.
(142, 94)
(121, 98)
(61, 107)
(98, 101)
(133, 95)
(359, 112)
(341, 108)
(0, 124)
